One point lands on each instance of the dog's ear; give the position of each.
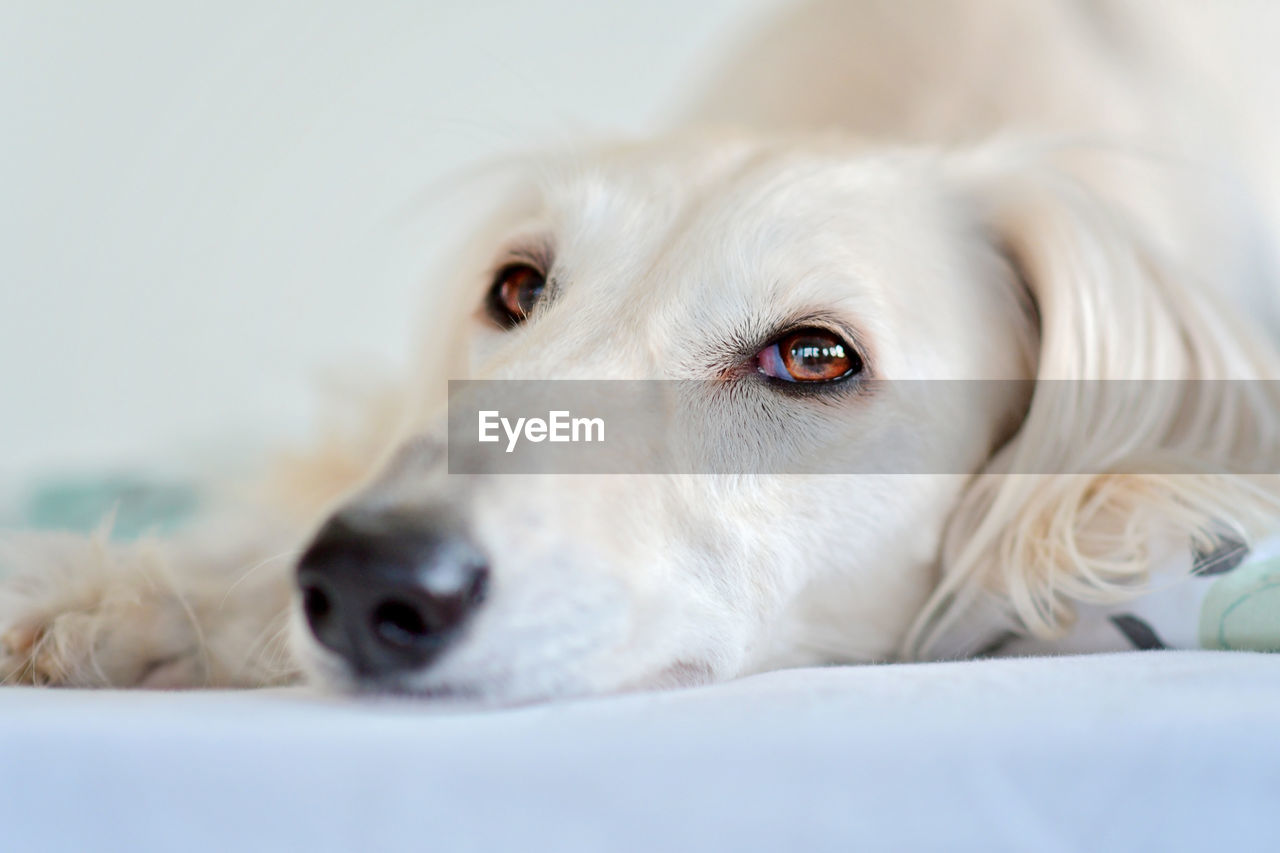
(1148, 410)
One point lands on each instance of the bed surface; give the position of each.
(1143, 750)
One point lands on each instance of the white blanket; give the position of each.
(1142, 750)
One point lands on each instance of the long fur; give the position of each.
(1162, 391)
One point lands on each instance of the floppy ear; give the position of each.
(1109, 461)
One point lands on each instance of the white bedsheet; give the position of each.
(1145, 750)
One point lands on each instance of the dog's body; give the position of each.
(971, 190)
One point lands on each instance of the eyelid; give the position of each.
(536, 251)
(538, 260)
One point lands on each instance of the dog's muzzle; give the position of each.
(389, 592)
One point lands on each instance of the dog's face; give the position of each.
(784, 280)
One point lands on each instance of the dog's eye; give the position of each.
(808, 355)
(516, 290)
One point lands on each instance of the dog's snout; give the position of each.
(389, 593)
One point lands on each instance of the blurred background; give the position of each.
(208, 205)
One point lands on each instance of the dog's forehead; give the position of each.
(732, 236)
(732, 215)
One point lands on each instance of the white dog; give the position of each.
(1012, 190)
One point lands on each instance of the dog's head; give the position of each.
(784, 281)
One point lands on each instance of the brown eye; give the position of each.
(808, 355)
(516, 290)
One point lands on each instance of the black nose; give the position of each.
(389, 592)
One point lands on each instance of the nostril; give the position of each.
(477, 588)
(399, 624)
(315, 603)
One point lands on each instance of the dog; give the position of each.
(1002, 194)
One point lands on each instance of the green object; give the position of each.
(1242, 609)
(139, 506)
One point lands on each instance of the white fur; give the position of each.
(982, 189)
